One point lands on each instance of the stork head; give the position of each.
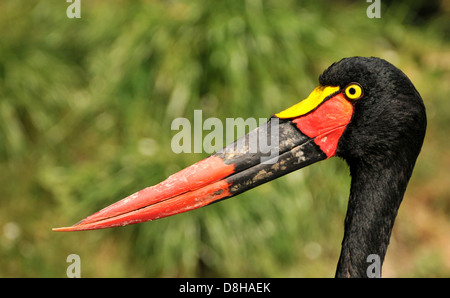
(389, 119)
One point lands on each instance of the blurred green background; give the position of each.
(85, 112)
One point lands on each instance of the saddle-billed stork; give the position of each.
(365, 110)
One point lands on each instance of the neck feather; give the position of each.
(375, 196)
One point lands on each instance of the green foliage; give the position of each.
(86, 107)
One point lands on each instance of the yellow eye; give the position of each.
(354, 91)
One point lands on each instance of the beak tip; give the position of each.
(65, 229)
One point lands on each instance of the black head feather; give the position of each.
(389, 120)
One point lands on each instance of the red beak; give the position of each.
(240, 166)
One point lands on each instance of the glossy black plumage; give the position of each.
(380, 145)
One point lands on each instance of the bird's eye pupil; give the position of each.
(352, 91)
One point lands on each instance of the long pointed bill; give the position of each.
(297, 137)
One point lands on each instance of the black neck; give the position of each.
(375, 196)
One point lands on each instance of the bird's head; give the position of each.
(388, 120)
(364, 108)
